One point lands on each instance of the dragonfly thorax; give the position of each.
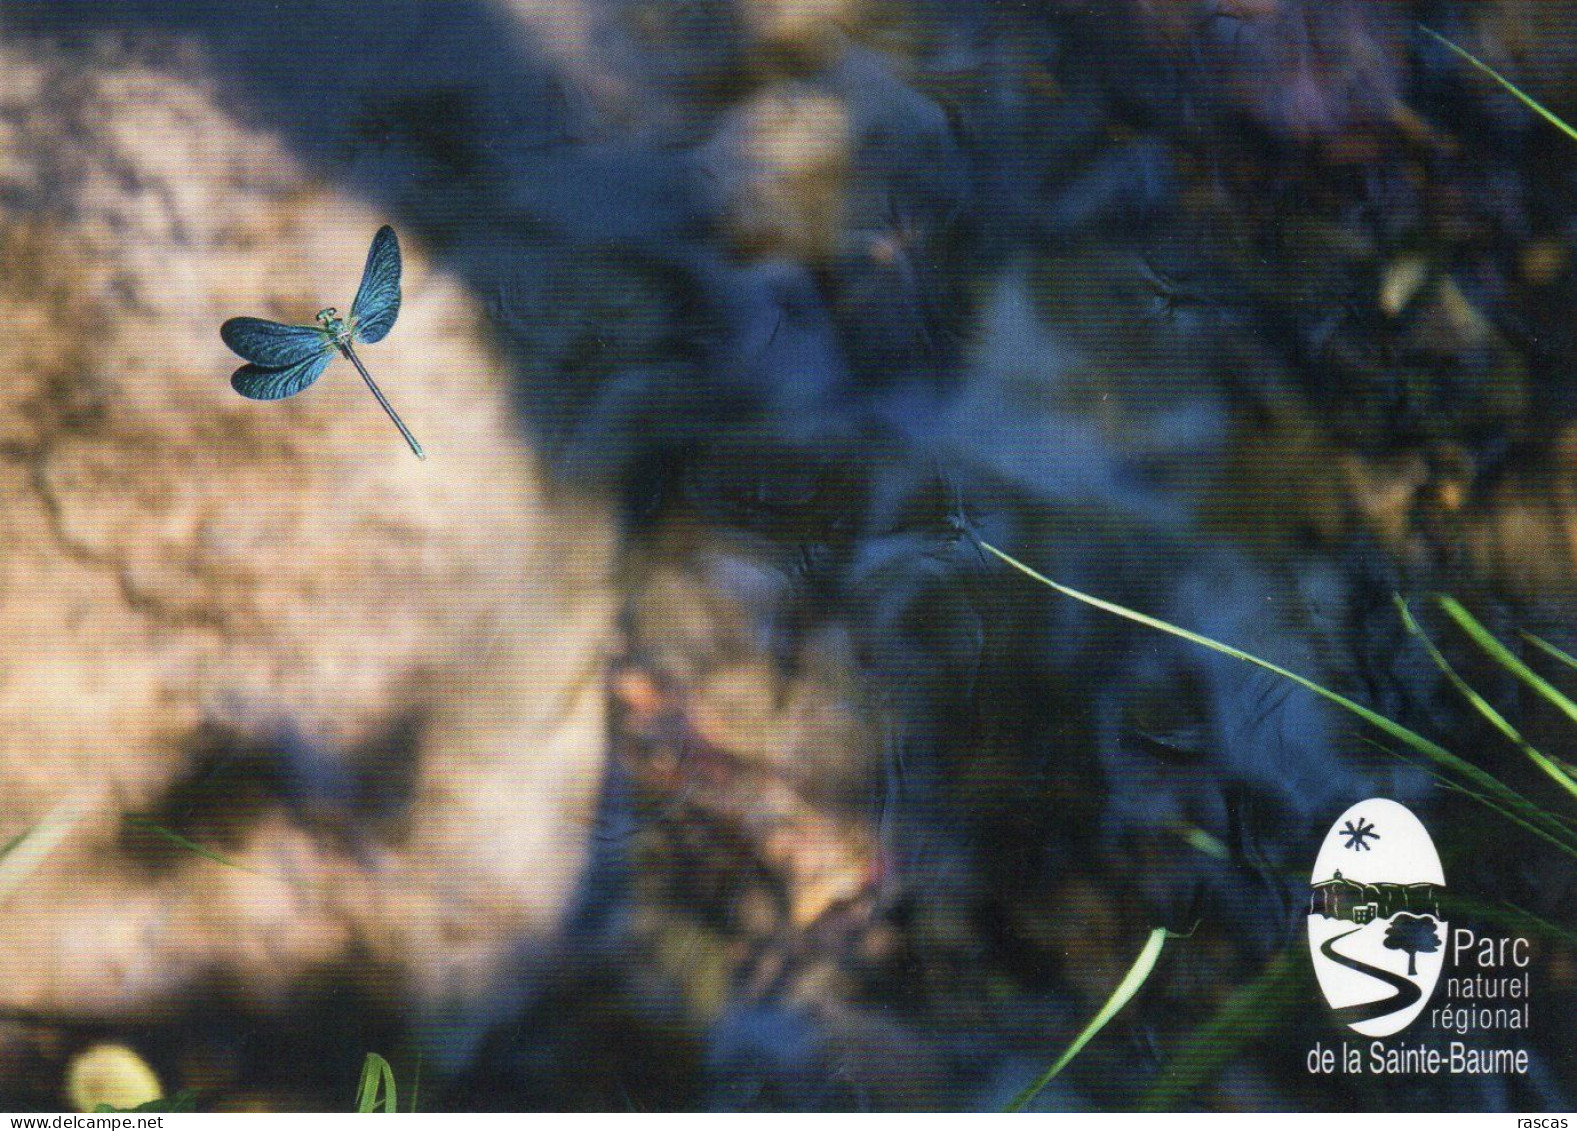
(333, 324)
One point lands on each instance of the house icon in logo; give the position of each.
(1341, 898)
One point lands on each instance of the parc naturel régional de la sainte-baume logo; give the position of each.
(1379, 944)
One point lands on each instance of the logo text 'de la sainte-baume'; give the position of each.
(1380, 943)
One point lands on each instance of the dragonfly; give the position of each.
(283, 360)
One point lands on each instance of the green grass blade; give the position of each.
(1465, 689)
(1411, 738)
(1248, 1014)
(1529, 921)
(26, 851)
(1503, 656)
(1564, 657)
(376, 1087)
(1455, 906)
(1510, 816)
(1555, 820)
(193, 847)
(1201, 841)
(1482, 705)
(1539, 642)
(1527, 100)
(1567, 826)
(183, 1101)
(1136, 976)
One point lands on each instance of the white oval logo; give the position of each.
(1375, 931)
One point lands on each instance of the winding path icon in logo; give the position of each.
(1375, 931)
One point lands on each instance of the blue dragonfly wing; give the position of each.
(260, 383)
(272, 345)
(377, 302)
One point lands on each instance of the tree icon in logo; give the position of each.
(1414, 934)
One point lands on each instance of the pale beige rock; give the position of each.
(812, 30)
(787, 153)
(174, 557)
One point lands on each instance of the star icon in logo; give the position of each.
(1358, 835)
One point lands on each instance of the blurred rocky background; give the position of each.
(666, 740)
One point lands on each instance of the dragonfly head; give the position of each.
(331, 322)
